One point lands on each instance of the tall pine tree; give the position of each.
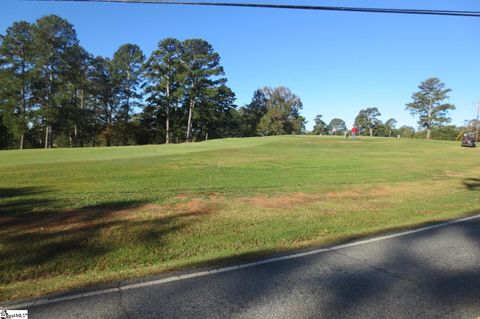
(164, 75)
(127, 70)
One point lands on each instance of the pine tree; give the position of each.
(164, 74)
(54, 38)
(428, 104)
(201, 71)
(127, 74)
(16, 66)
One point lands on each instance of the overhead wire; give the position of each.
(458, 13)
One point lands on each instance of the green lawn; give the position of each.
(77, 217)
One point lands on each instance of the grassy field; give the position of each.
(77, 217)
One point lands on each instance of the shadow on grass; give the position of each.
(20, 191)
(472, 183)
(20, 202)
(39, 239)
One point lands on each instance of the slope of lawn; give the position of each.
(76, 217)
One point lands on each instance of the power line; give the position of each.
(292, 7)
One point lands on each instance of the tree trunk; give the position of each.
(371, 131)
(50, 137)
(75, 135)
(429, 121)
(24, 107)
(167, 127)
(22, 137)
(82, 105)
(46, 135)
(125, 132)
(127, 109)
(108, 125)
(189, 124)
(167, 111)
(50, 106)
(108, 137)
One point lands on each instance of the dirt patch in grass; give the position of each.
(343, 194)
(287, 200)
(454, 174)
(370, 197)
(181, 196)
(298, 198)
(195, 205)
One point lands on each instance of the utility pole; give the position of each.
(478, 117)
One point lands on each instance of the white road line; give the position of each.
(45, 301)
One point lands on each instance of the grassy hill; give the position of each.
(77, 217)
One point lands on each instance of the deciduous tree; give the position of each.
(390, 126)
(367, 119)
(283, 113)
(336, 127)
(406, 131)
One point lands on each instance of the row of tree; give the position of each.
(389, 129)
(366, 122)
(54, 93)
(428, 105)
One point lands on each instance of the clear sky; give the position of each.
(337, 62)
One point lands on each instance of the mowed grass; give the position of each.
(77, 217)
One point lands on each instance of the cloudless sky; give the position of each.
(337, 62)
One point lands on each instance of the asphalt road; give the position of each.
(428, 274)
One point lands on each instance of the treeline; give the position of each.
(428, 104)
(367, 123)
(53, 93)
(372, 126)
(375, 127)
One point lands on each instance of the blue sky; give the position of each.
(336, 62)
